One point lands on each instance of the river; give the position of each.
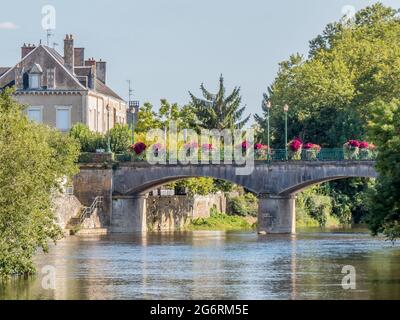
(214, 265)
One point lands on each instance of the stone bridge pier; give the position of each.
(276, 214)
(129, 214)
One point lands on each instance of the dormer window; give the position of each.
(35, 76)
(34, 81)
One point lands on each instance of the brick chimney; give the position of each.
(92, 79)
(101, 70)
(79, 57)
(69, 52)
(26, 49)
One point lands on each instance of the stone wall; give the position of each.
(92, 182)
(66, 207)
(169, 213)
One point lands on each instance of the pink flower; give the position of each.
(312, 146)
(157, 147)
(295, 145)
(245, 145)
(354, 143)
(364, 145)
(258, 146)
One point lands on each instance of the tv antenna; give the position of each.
(49, 34)
(130, 92)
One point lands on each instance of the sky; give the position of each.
(169, 47)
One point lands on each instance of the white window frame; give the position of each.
(31, 76)
(68, 108)
(36, 108)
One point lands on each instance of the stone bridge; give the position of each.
(275, 183)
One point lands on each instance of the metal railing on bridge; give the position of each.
(325, 154)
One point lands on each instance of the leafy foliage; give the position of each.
(243, 205)
(120, 138)
(218, 111)
(34, 161)
(220, 221)
(384, 128)
(352, 64)
(89, 141)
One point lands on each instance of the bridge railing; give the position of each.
(325, 154)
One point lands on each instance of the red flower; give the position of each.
(245, 145)
(295, 145)
(364, 145)
(354, 143)
(312, 146)
(308, 146)
(258, 146)
(139, 147)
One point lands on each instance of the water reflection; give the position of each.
(215, 265)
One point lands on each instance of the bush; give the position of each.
(120, 138)
(88, 140)
(245, 205)
(220, 221)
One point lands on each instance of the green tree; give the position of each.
(218, 111)
(120, 138)
(34, 161)
(350, 65)
(196, 186)
(384, 129)
(147, 119)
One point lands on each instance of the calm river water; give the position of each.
(215, 265)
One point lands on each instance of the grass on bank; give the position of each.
(221, 222)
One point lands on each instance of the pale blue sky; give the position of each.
(168, 47)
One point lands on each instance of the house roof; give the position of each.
(79, 72)
(104, 89)
(55, 53)
(3, 70)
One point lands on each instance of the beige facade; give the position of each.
(61, 91)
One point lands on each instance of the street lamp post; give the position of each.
(133, 124)
(268, 105)
(286, 110)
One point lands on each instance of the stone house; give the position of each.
(62, 90)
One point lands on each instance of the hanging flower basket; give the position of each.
(261, 151)
(351, 150)
(311, 151)
(295, 147)
(367, 151)
(138, 150)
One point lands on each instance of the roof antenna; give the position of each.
(49, 34)
(130, 90)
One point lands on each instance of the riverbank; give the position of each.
(223, 222)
